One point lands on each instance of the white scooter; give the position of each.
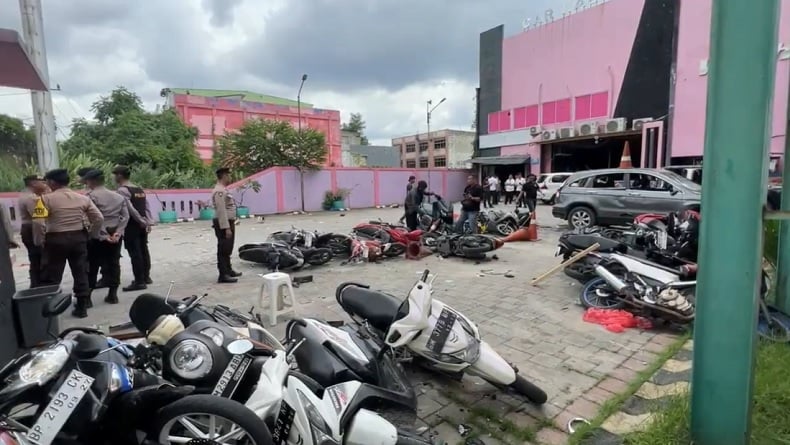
(445, 339)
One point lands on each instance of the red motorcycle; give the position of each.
(395, 238)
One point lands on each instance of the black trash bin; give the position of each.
(31, 326)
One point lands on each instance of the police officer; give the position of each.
(135, 237)
(34, 188)
(224, 226)
(81, 172)
(59, 228)
(104, 247)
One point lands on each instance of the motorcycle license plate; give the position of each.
(444, 325)
(231, 376)
(283, 424)
(60, 407)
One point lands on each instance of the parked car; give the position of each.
(549, 183)
(694, 173)
(691, 172)
(617, 195)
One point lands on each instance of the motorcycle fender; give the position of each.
(492, 367)
(368, 428)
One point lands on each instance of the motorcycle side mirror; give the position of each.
(240, 346)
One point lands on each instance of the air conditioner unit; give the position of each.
(534, 131)
(615, 125)
(637, 124)
(567, 132)
(588, 128)
(549, 135)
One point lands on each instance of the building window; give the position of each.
(440, 162)
(423, 163)
(423, 146)
(410, 148)
(440, 143)
(411, 163)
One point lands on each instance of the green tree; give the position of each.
(124, 133)
(357, 125)
(16, 140)
(261, 143)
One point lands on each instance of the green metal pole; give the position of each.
(783, 257)
(740, 85)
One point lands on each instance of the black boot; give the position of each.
(112, 296)
(148, 280)
(226, 279)
(135, 286)
(235, 274)
(80, 308)
(88, 302)
(101, 284)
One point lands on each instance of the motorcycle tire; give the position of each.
(580, 272)
(529, 390)
(202, 405)
(338, 244)
(429, 240)
(395, 249)
(505, 229)
(589, 299)
(318, 256)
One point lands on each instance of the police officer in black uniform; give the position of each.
(135, 237)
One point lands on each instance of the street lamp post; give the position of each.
(299, 130)
(428, 113)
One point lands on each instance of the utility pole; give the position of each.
(741, 77)
(428, 113)
(43, 117)
(299, 127)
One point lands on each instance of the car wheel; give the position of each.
(581, 218)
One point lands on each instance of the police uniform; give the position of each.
(81, 172)
(59, 227)
(104, 247)
(26, 206)
(135, 237)
(224, 221)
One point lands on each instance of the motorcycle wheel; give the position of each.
(598, 294)
(319, 256)
(199, 411)
(429, 239)
(339, 245)
(505, 229)
(529, 390)
(580, 272)
(395, 249)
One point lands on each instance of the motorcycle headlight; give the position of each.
(40, 368)
(191, 359)
(322, 434)
(468, 355)
(215, 335)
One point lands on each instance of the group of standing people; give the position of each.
(61, 226)
(519, 190)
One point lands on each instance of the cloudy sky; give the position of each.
(381, 58)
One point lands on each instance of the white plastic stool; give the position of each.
(272, 287)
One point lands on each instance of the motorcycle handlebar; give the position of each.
(425, 274)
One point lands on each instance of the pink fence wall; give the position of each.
(281, 190)
(688, 125)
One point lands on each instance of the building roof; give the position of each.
(18, 70)
(247, 96)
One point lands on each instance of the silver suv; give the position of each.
(616, 196)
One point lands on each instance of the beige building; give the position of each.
(443, 149)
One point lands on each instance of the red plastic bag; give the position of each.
(615, 320)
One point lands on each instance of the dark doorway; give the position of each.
(593, 153)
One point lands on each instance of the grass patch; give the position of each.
(769, 414)
(613, 405)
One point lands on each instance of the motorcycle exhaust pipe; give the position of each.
(610, 278)
(679, 284)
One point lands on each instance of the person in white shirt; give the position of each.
(510, 187)
(520, 181)
(493, 190)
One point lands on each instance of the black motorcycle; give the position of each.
(307, 243)
(81, 389)
(274, 255)
(466, 246)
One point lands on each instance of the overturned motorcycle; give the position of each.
(466, 246)
(277, 255)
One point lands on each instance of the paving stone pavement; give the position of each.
(539, 329)
(654, 395)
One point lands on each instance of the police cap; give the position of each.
(93, 175)
(222, 171)
(58, 176)
(83, 171)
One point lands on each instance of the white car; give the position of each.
(549, 183)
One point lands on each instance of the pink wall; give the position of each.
(532, 150)
(281, 190)
(688, 125)
(580, 55)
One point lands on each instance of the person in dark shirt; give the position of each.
(470, 206)
(414, 200)
(529, 193)
(409, 186)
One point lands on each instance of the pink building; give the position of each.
(214, 112)
(567, 95)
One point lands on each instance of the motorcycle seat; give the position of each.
(378, 308)
(583, 241)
